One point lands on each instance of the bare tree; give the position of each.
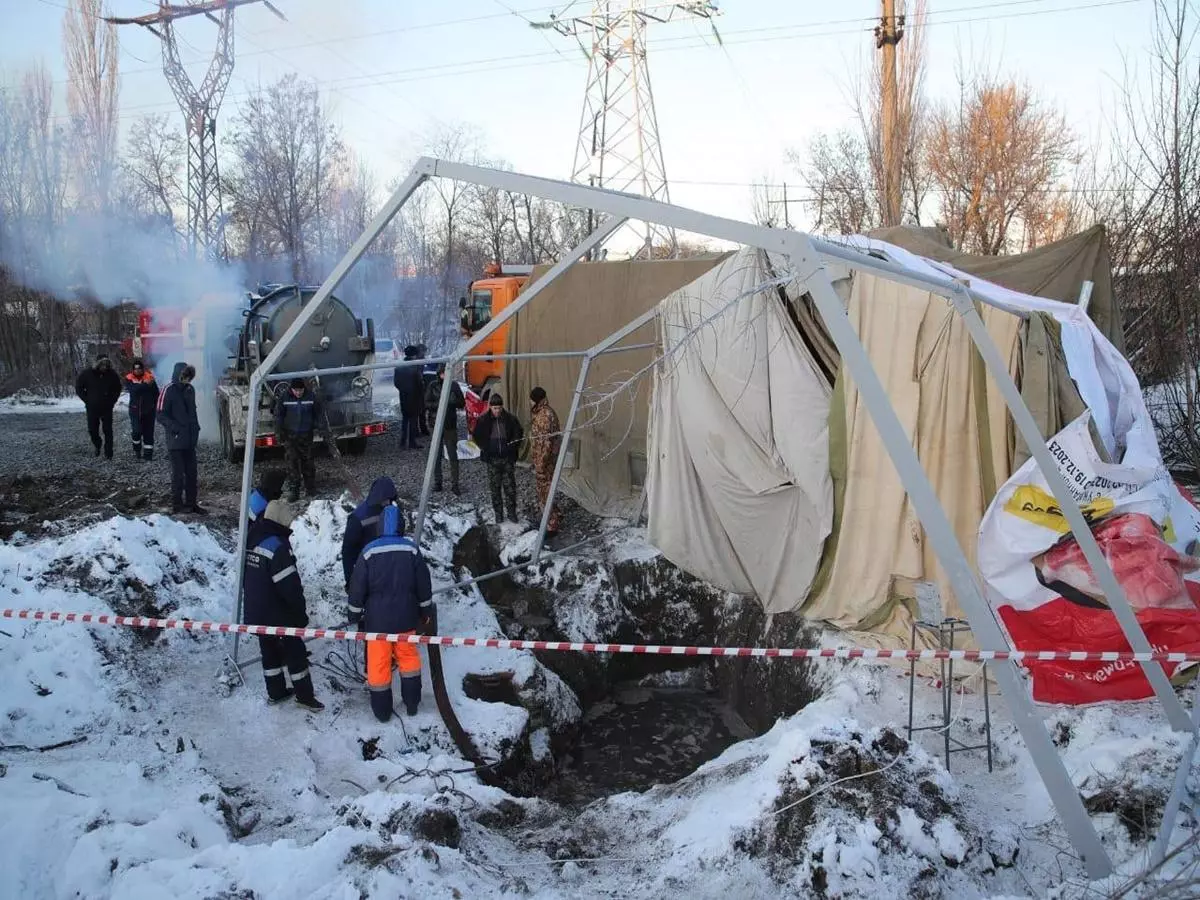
(153, 168)
(90, 47)
(844, 193)
(1156, 230)
(286, 154)
(998, 157)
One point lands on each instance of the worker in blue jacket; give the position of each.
(275, 596)
(362, 525)
(391, 592)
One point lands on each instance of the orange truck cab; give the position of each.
(486, 298)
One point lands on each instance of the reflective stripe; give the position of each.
(390, 548)
(298, 675)
(271, 672)
(355, 609)
(264, 552)
(370, 520)
(284, 574)
(428, 602)
(297, 402)
(381, 687)
(148, 443)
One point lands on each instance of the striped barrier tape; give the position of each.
(866, 653)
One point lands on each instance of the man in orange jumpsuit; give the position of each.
(391, 592)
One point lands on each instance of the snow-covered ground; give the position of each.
(26, 402)
(183, 784)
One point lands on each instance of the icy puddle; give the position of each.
(641, 737)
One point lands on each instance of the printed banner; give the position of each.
(1046, 594)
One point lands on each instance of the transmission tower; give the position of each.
(618, 146)
(199, 105)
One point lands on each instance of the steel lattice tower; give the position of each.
(618, 145)
(199, 105)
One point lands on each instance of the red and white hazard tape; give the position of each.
(866, 653)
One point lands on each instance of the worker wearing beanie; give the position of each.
(391, 592)
(498, 435)
(275, 596)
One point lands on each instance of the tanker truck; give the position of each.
(332, 338)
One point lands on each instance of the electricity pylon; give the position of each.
(618, 145)
(199, 105)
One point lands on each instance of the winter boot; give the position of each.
(498, 511)
(311, 703)
(456, 490)
(108, 451)
(137, 449)
(275, 701)
(381, 703)
(293, 495)
(437, 487)
(410, 693)
(147, 454)
(97, 454)
(197, 509)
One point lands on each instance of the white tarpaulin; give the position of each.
(738, 480)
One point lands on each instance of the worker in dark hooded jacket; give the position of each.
(99, 388)
(275, 596)
(412, 398)
(177, 413)
(391, 592)
(362, 525)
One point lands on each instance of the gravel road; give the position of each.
(48, 470)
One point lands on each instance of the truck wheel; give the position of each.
(356, 446)
(229, 450)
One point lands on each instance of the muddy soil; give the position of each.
(48, 472)
(641, 737)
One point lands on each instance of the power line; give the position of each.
(519, 13)
(537, 59)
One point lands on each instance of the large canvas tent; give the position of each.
(585, 305)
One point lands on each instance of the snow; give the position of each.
(184, 785)
(29, 402)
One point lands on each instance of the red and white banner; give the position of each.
(1047, 595)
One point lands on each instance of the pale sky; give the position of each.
(727, 116)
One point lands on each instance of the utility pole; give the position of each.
(887, 35)
(206, 219)
(618, 145)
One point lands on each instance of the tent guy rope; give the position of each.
(864, 653)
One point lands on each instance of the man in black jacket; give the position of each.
(433, 396)
(391, 592)
(412, 398)
(99, 388)
(275, 596)
(177, 412)
(498, 435)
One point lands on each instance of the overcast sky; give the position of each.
(394, 69)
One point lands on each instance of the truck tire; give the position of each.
(356, 446)
(229, 450)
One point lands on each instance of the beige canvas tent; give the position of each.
(765, 474)
(607, 452)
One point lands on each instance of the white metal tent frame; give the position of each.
(808, 257)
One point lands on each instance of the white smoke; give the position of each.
(116, 259)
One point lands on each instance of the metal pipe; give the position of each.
(425, 361)
(1095, 557)
(560, 463)
(943, 286)
(244, 502)
(593, 240)
(603, 346)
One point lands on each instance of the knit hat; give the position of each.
(299, 383)
(496, 400)
(280, 512)
(270, 483)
